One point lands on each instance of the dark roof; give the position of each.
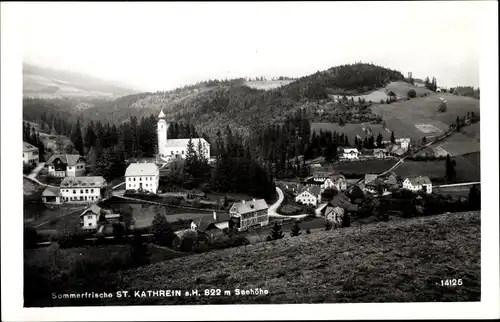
(50, 192)
(204, 222)
(69, 159)
(29, 147)
(83, 182)
(315, 190)
(341, 200)
(244, 207)
(416, 181)
(95, 209)
(321, 174)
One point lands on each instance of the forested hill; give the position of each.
(215, 104)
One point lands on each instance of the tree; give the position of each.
(424, 140)
(308, 231)
(191, 163)
(393, 138)
(458, 124)
(346, 220)
(76, 137)
(450, 169)
(139, 253)
(442, 107)
(474, 199)
(328, 225)
(276, 232)
(379, 140)
(412, 93)
(295, 230)
(162, 231)
(30, 237)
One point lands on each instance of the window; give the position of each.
(182, 151)
(89, 217)
(81, 198)
(129, 179)
(74, 191)
(91, 190)
(86, 190)
(90, 224)
(171, 152)
(140, 179)
(134, 179)
(81, 190)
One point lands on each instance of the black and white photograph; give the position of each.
(240, 155)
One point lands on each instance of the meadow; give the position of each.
(346, 265)
(267, 85)
(399, 88)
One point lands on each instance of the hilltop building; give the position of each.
(418, 184)
(177, 148)
(30, 154)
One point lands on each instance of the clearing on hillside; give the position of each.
(338, 266)
(399, 88)
(267, 85)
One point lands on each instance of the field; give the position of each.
(401, 261)
(468, 168)
(419, 117)
(267, 85)
(360, 168)
(399, 88)
(473, 131)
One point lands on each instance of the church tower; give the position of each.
(162, 134)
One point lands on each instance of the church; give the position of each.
(176, 148)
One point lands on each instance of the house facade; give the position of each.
(404, 143)
(93, 216)
(337, 181)
(418, 184)
(142, 177)
(334, 215)
(30, 154)
(320, 176)
(66, 165)
(309, 196)
(380, 153)
(245, 214)
(51, 195)
(82, 189)
(350, 153)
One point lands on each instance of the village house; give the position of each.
(94, 216)
(51, 195)
(380, 153)
(337, 181)
(213, 227)
(30, 154)
(66, 165)
(245, 214)
(334, 215)
(142, 177)
(404, 143)
(82, 189)
(350, 153)
(418, 184)
(334, 210)
(309, 196)
(320, 176)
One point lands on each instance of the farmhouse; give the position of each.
(94, 215)
(245, 214)
(404, 143)
(337, 181)
(334, 214)
(309, 196)
(380, 153)
(66, 165)
(418, 184)
(341, 200)
(51, 195)
(350, 153)
(320, 176)
(30, 154)
(82, 189)
(142, 177)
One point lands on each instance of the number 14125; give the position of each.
(452, 282)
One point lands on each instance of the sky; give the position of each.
(159, 46)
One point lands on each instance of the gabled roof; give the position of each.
(95, 209)
(204, 222)
(83, 182)
(51, 192)
(379, 151)
(314, 190)
(336, 176)
(29, 147)
(320, 174)
(69, 159)
(351, 150)
(341, 200)
(417, 181)
(244, 207)
(142, 169)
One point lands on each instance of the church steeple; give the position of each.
(161, 115)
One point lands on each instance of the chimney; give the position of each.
(215, 215)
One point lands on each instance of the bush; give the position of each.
(328, 225)
(308, 231)
(276, 233)
(382, 101)
(295, 230)
(346, 220)
(412, 93)
(162, 231)
(30, 237)
(442, 107)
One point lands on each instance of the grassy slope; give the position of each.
(386, 262)
(399, 88)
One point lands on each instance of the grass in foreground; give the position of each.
(401, 261)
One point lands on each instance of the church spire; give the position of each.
(162, 115)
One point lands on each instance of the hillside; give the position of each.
(398, 261)
(51, 83)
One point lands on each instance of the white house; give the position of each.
(142, 176)
(404, 143)
(337, 181)
(82, 189)
(66, 165)
(309, 196)
(94, 215)
(30, 154)
(320, 176)
(334, 215)
(350, 153)
(245, 214)
(51, 195)
(418, 184)
(177, 148)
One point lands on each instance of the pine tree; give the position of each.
(76, 137)
(295, 230)
(162, 230)
(450, 169)
(393, 138)
(276, 232)
(424, 140)
(139, 251)
(328, 225)
(474, 199)
(379, 140)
